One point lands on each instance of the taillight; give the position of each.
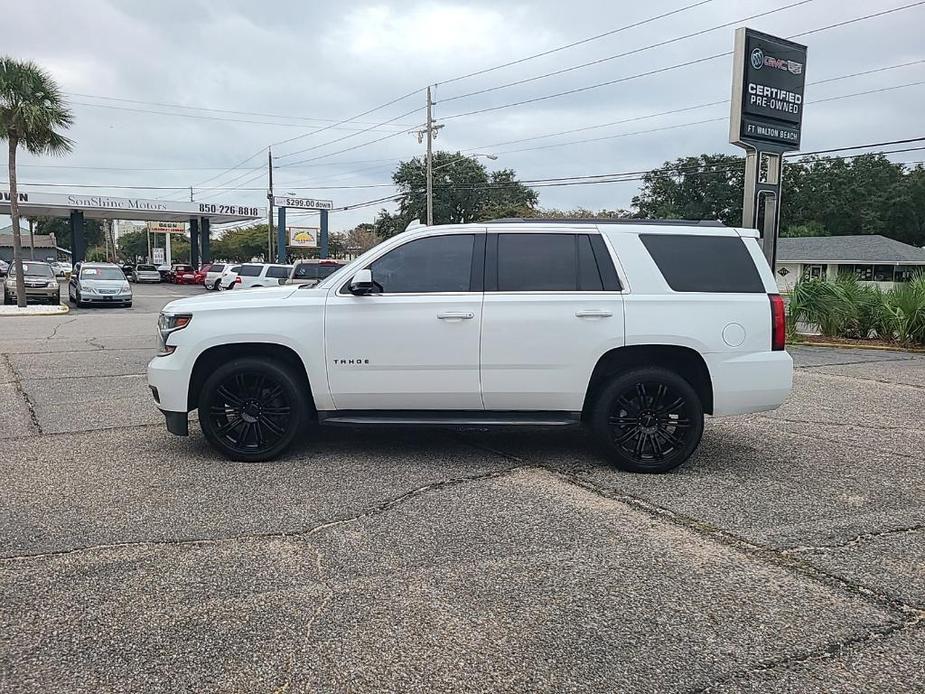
(778, 323)
(237, 280)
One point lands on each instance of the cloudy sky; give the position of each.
(177, 93)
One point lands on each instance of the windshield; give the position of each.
(101, 273)
(33, 270)
(147, 268)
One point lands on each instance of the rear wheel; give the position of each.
(648, 420)
(252, 409)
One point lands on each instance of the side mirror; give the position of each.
(362, 282)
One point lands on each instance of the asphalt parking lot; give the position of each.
(788, 556)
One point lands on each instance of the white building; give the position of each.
(869, 257)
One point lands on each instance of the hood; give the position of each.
(234, 299)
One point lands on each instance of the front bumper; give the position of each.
(105, 298)
(46, 293)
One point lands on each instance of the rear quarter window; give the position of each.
(250, 270)
(696, 263)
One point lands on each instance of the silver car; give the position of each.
(99, 283)
(145, 273)
(39, 280)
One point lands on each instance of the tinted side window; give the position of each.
(435, 264)
(551, 263)
(305, 271)
(693, 263)
(278, 271)
(537, 262)
(217, 268)
(250, 270)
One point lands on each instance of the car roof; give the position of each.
(96, 264)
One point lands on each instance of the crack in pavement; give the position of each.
(865, 361)
(870, 380)
(30, 406)
(858, 539)
(827, 652)
(374, 510)
(879, 427)
(58, 327)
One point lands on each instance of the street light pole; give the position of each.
(270, 206)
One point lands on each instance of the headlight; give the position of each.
(169, 323)
(126, 289)
(87, 290)
(52, 284)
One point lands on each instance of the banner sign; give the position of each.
(303, 237)
(109, 207)
(302, 203)
(768, 79)
(166, 227)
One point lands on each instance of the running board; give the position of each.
(477, 418)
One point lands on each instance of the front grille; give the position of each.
(107, 291)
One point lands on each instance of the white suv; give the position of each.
(254, 275)
(632, 329)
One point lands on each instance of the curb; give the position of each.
(67, 310)
(841, 345)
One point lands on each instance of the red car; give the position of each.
(182, 274)
(199, 277)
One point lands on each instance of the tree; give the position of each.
(31, 112)
(464, 191)
(134, 244)
(61, 228)
(241, 244)
(804, 230)
(706, 187)
(361, 238)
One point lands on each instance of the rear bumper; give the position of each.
(750, 382)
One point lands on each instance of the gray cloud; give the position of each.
(333, 60)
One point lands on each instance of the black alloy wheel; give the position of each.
(251, 409)
(648, 420)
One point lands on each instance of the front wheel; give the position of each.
(251, 409)
(648, 420)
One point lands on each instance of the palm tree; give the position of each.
(31, 110)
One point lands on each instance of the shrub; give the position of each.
(904, 316)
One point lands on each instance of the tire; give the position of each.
(647, 420)
(218, 284)
(57, 299)
(6, 299)
(252, 409)
(77, 301)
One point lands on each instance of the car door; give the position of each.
(553, 306)
(414, 343)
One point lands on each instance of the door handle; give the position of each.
(593, 313)
(455, 315)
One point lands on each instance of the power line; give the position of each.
(576, 43)
(213, 110)
(682, 109)
(668, 68)
(199, 116)
(347, 137)
(642, 49)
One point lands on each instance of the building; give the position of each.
(45, 245)
(869, 257)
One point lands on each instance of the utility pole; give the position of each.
(430, 132)
(191, 194)
(270, 206)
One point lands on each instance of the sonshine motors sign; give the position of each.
(769, 75)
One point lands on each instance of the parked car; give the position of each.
(634, 330)
(127, 269)
(182, 274)
(99, 283)
(313, 271)
(61, 268)
(40, 282)
(256, 275)
(229, 278)
(4, 267)
(164, 271)
(199, 276)
(145, 273)
(213, 274)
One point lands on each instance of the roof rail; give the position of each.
(608, 220)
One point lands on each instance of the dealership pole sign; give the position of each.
(769, 76)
